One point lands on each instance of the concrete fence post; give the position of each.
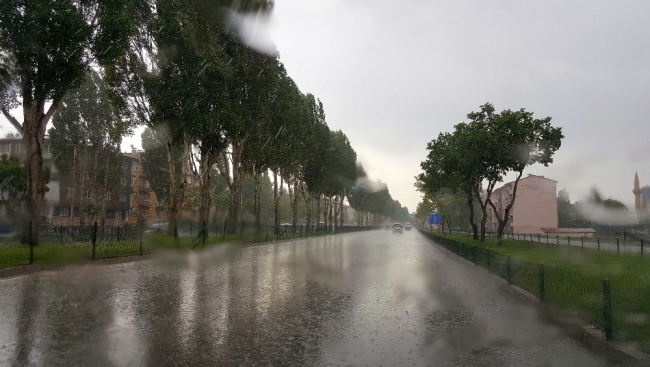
(641, 247)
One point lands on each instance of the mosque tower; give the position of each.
(637, 193)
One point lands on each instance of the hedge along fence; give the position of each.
(620, 308)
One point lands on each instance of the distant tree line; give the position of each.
(609, 217)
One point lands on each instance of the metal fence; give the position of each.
(68, 244)
(624, 242)
(609, 307)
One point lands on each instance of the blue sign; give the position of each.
(434, 218)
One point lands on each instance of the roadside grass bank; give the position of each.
(573, 278)
(61, 252)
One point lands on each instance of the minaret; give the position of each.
(637, 192)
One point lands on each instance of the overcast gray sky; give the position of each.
(393, 74)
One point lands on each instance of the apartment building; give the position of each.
(14, 147)
(77, 198)
(535, 205)
(142, 200)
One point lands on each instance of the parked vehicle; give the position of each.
(397, 228)
(407, 226)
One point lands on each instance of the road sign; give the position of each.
(434, 218)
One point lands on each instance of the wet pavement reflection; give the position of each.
(359, 299)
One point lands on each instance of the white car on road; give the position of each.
(397, 228)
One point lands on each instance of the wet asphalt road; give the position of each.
(360, 299)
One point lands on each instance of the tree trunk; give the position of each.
(205, 166)
(325, 207)
(172, 212)
(103, 212)
(470, 202)
(342, 220)
(308, 204)
(35, 186)
(82, 188)
(318, 210)
(331, 214)
(504, 221)
(276, 202)
(335, 204)
(235, 189)
(74, 186)
(483, 221)
(294, 206)
(94, 194)
(484, 206)
(502, 226)
(257, 209)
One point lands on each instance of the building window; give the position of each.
(118, 214)
(122, 198)
(19, 148)
(134, 167)
(108, 196)
(146, 184)
(124, 165)
(65, 211)
(123, 181)
(87, 195)
(134, 181)
(133, 197)
(70, 192)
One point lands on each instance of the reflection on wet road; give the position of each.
(360, 299)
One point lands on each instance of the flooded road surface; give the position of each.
(360, 299)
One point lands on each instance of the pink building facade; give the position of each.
(535, 206)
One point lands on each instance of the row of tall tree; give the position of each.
(373, 202)
(478, 154)
(211, 104)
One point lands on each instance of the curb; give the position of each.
(17, 271)
(589, 336)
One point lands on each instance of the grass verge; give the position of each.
(55, 252)
(573, 279)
